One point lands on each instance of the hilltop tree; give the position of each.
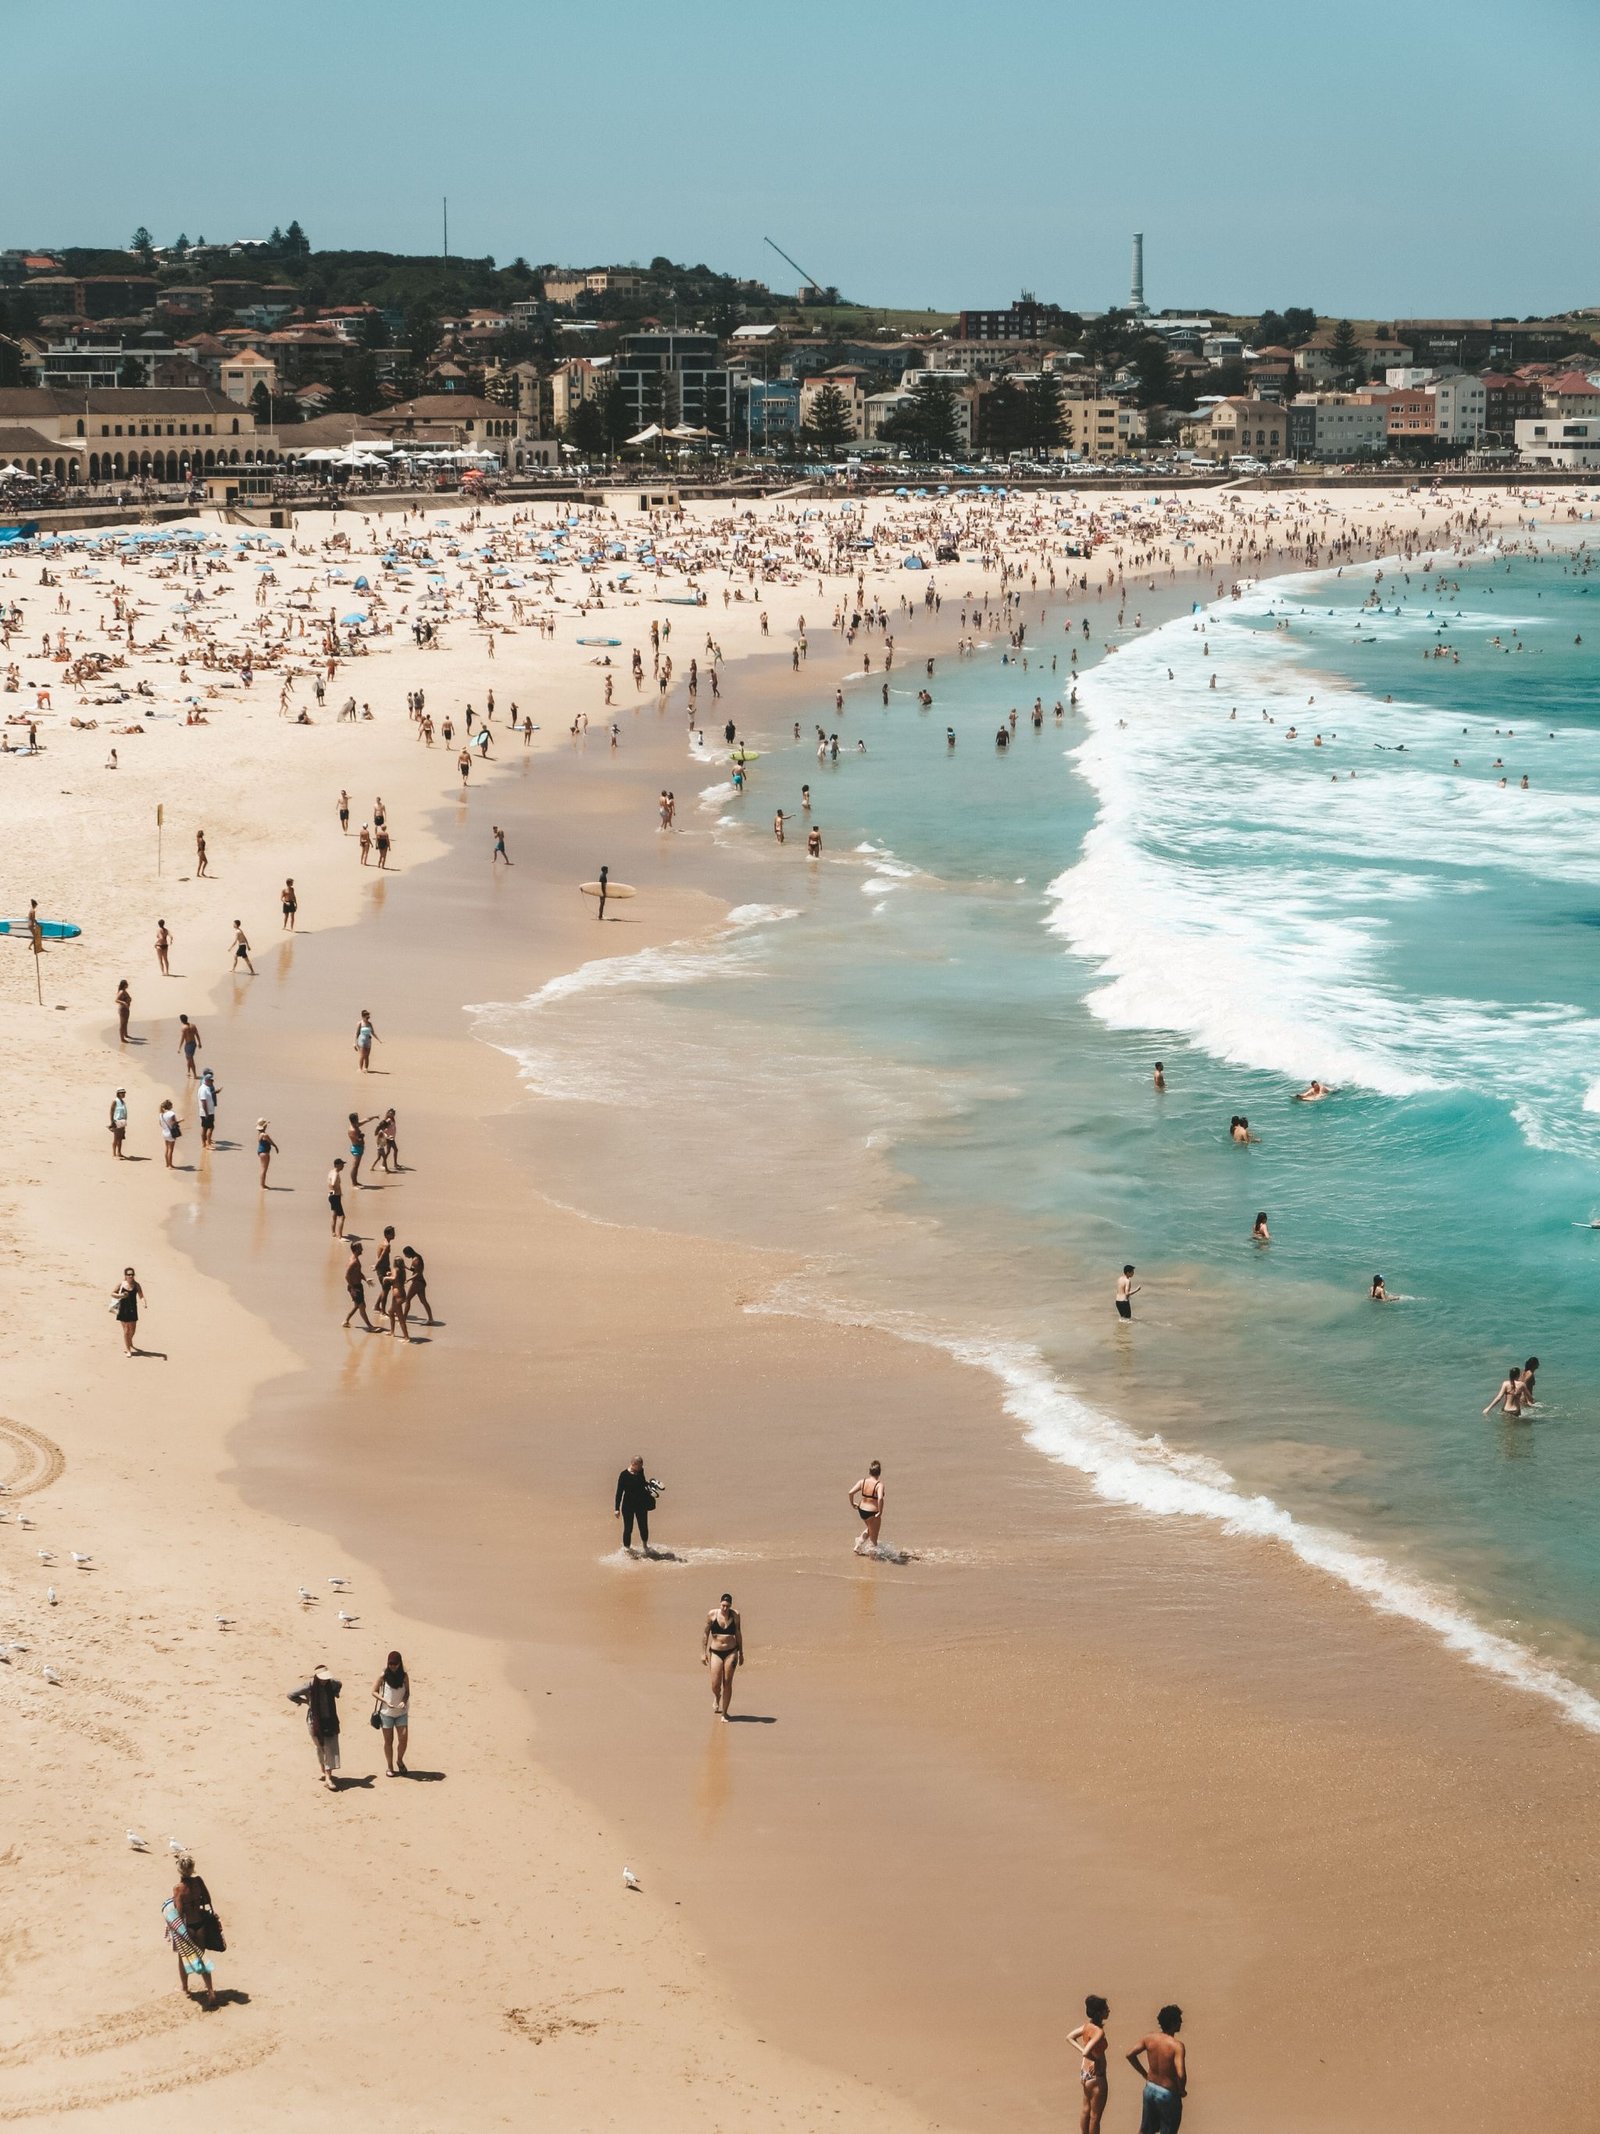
(830, 428)
(1042, 413)
(143, 243)
(927, 422)
(614, 410)
(1299, 324)
(1003, 417)
(296, 243)
(1152, 363)
(586, 429)
(1346, 353)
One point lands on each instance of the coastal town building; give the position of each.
(1337, 426)
(1553, 442)
(1242, 427)
(579, 379)
(673, 378)
(851, 382)
(241, 375)
(1571, 392)
(134, 433)
(1411, 413)
(1090, 427)
(1025, 319)
(1509, 400)
(1459, 402)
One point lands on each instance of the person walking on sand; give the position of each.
(392, 1701)
(498, 856)
(464, 766)
(129, 1295)
(366, 1038)
(124, 1010)
(635, 1501)
(416, 1281)
(206, 1096)
(290, 903)
(355, 1282)
(1090, 2039)
(395, 1303)
(320, 1696)
(241, 949)
(189, 1917)
(163, 946)
(383, 1269)
(867, 1497)
(722, 1649)
(202, 866)
(266, 1149)
(119, 1121)
(171, 1130)
(336, 1196)
(388, 1156)
(1160, 2059)
(344, 812)
(189, 1045)
(365, 842)
(1127, 1290)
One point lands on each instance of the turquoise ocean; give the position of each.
(926, 1065)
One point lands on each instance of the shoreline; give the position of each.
(681, 1324)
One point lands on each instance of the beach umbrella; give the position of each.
(350, 621)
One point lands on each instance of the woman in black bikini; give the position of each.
(721, 1649)
(867, 1497)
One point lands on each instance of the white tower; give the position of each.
(1136, 302)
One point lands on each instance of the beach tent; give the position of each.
(648, 434)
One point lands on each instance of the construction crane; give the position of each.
(806, 281)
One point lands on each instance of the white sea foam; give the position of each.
(1239, 887)
(1147, 1475)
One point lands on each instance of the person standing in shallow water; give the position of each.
(867, 1497)
(1127, 1290)
(635, 1501)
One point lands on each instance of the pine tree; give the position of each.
(830, 428)
(1042, 413)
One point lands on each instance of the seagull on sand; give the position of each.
(137, 1842)
(50, 1674)
(630, 1880)
(307, 1597)
(81, 1560)
(50, 1595)
(349, 1621)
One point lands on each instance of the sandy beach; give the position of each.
(1069, 1749)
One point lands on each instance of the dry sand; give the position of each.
(1157, 1764)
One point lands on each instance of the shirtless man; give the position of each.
(867, 1497)
(1313, 1095)
(1159, 1078)
(1166, 2075)
(1127, 1290)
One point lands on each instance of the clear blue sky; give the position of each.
(1370, 160)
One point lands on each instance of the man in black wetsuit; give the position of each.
(635, 1501)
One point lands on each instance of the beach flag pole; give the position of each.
(161, 816)
(36, 942)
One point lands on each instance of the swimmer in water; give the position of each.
(1528, 1370)
(1509, 1397)
(1378, 1293)
(1159, 1078)
(1313, 1095)
(1239, 1130)
(1127, 1290)
(1260, 1234)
